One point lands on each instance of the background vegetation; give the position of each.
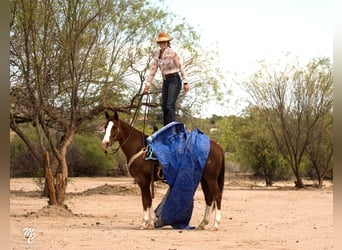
(71, 60)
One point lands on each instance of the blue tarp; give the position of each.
(183, 155)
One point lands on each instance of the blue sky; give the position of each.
(245, 31)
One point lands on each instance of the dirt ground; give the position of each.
(105, 213)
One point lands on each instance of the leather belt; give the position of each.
(168, 76)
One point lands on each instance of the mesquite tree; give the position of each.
(59, 55)
(71, 59)
(294, 102)
(53, 53)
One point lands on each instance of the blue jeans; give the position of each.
(171, 88)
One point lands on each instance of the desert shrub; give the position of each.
(22, 162)
(87, 158)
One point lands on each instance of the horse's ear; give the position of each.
(107, 115)
(116, 116)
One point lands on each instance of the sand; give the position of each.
(105, 213)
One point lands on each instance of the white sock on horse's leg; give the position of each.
(151, 218)
(217, 218)
(146, 218)
(206, 216)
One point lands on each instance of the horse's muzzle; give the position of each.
(105, 145)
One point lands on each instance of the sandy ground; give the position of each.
(105, 213)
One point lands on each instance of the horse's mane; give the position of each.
(130, 127)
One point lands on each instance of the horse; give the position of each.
(132, 142)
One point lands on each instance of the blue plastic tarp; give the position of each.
(183, 155)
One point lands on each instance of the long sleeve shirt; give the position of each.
(169, 63)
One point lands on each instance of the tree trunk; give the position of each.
(267, 174)
(49, 183)
(53, 166)
(299, 182)
(61, 184)
(62, 177)
(55, 184)
(56, 178)
(269, 181)
(320, 181)
(320, 177)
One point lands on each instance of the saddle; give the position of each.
(157, 167)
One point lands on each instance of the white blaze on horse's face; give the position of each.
(105, 141)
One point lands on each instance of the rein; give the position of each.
(143, 150)
(113, 151)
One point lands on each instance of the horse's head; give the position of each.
(112, 130)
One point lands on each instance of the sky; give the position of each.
(246, 31)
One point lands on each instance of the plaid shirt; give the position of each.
(169, 63)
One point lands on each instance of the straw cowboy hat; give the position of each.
(163, 37)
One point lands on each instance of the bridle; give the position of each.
(116, 134)
(113, 151)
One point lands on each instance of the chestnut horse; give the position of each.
(132, 142)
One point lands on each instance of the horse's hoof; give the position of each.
(144, 226)
(159, 223)
(200, 227)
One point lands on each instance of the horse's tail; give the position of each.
(220, 178)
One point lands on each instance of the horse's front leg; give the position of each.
(206, 217)
(147, 219)
(208, 211)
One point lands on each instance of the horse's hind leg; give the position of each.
(208, 202)
(217, 206)
(147, 219)
(213, 202)
(217, 217)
